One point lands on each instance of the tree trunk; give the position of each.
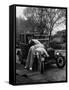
(50, 37)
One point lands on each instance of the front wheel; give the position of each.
(60, 61)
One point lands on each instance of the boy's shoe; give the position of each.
(25, 67)
(30, 69)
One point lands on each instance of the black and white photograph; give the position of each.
(41, 44)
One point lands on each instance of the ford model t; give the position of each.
(40, 60)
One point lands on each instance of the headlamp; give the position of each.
(57, 53)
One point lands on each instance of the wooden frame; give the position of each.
(12, 44)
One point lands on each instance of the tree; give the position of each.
(56, 17)
(35, 16)
(46, 18)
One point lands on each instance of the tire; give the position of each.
(60, 62)
(42, 68)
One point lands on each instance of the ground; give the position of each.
(52, 73)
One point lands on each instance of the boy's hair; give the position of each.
(18, 53)
(31, 43)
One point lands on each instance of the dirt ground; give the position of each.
(51, 74)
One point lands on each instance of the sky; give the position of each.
(59, 28)
(19, 14)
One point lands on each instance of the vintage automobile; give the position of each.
(40, 63)
(54, 57)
